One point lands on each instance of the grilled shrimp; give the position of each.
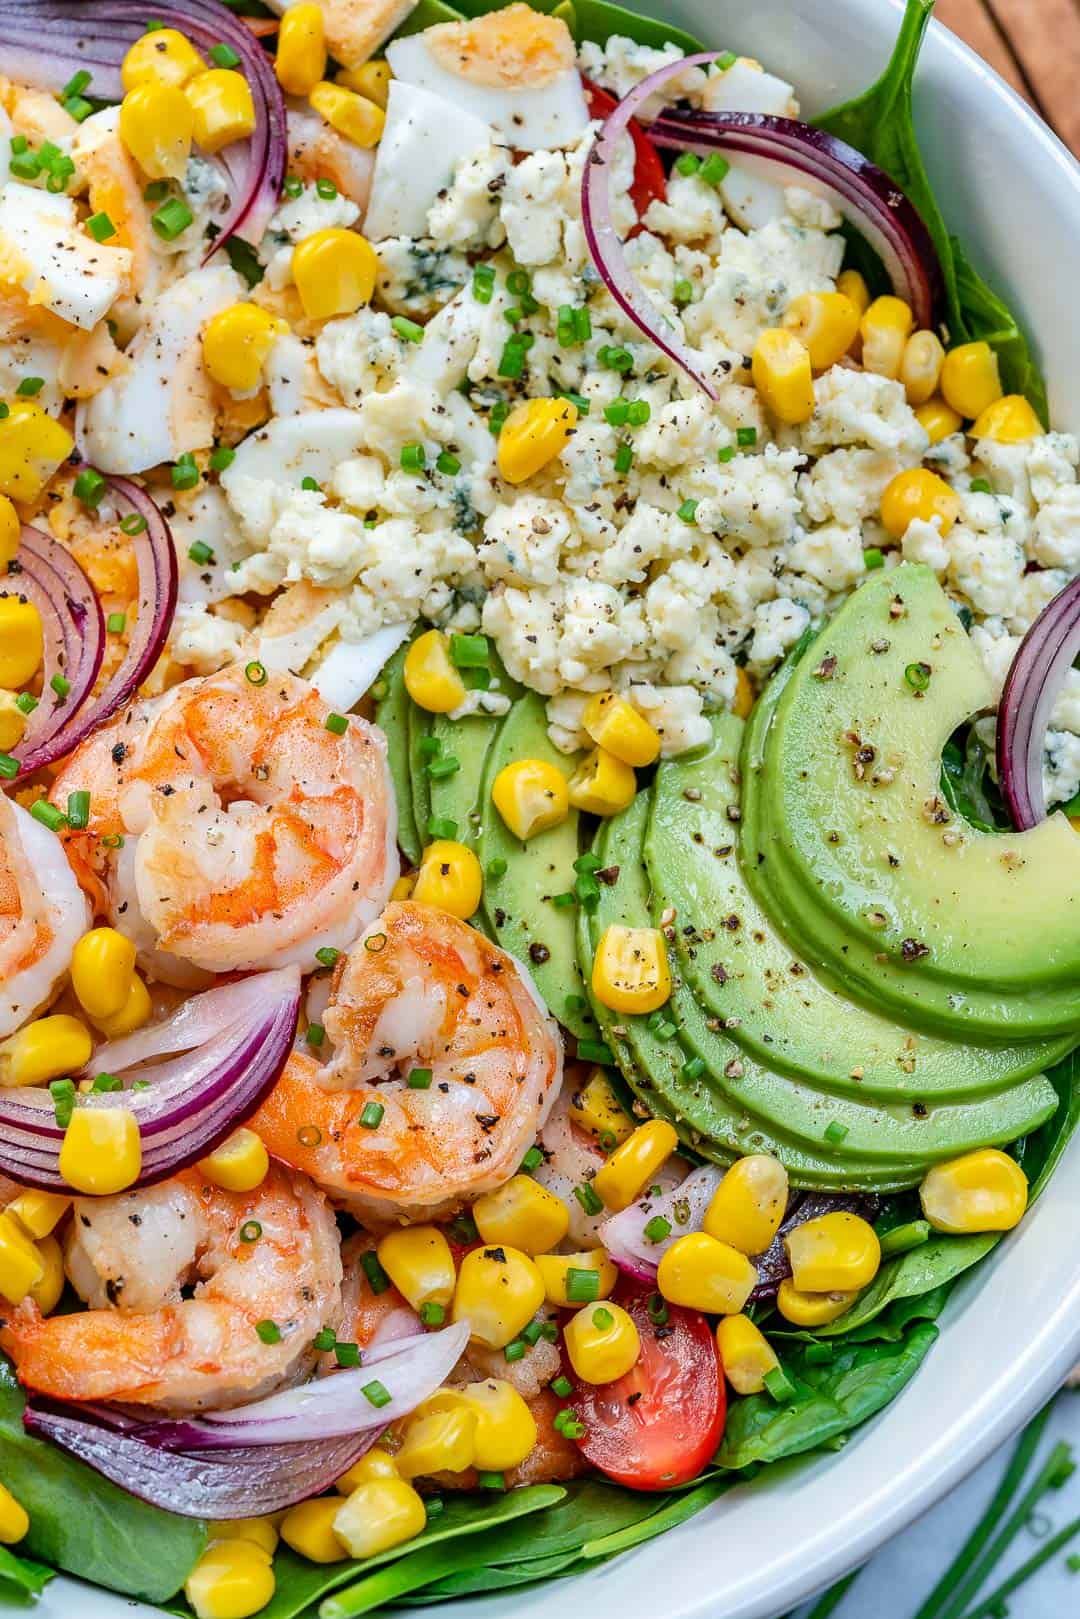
(271, 1256)
(241, 831)
(42, 915)
(420, 990)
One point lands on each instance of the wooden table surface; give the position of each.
(1035, 45)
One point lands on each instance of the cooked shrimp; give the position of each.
(419, 990)
(268, 1256)
(42, 915)
(252, 835)
(318, 152)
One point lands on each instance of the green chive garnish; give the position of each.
(268, 1331)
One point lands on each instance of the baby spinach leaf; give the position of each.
(481, 1580)
(675, 1511)
(597, 20)
(911, 1275)
(427, 14)
(1039, 1153)
(988, 317)
(20, 1577)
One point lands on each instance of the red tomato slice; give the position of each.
(662, 1422)
(650, 182)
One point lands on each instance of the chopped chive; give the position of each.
(483, 283)
(371, 1115)
(407, 330)
(156, 191)
(60, 684)
(603, 1320)
(725, 60)
(596, 1051)
(726, 454)
(656, 1305)
(873, 558)
(462, 1229)
(981, 486)
(683, 291)
(78, 809)
(77, 107)
(9, 767)
(902, 1238)
(434, 1505)
(223, 56)
(62, 1092)
(442, 769)
(515, 1350)
(714, 169)
(639, 412)
(499, 412)
(413, 457)
(588, 1199)
(378, 1280)
(315, 1035)
(221, 457)
(579, 401)
(657, 1229)
(694, 1068)
(255, 673)
(327, 956)
(310, 484)
(268, 1331)
(779, 1385)
(470, 651)
(624, 459)
(491, 1481)
(250, 1231)
(184, 473)
(615, 358)
(532, 1160)
(432, 1314)
(563, 902)
(376, 1393)
(134, 523)
(582, 1286)
(448, 464)
(172, 218)
(441, 826)
(29, 387)
(26, 702)
(512, 359)
(496, 868)
(100, 227)
(201, 553)
(617, 413)
(562, 1386)
(688, 511)
(518, 281)
(835, 1132)
(324, 1340)
(76, 84)
(429, 747)
(746, 436)
(326, 189)
(687, 164)
(336, 724)
(89, 487)
(918, 675)
(293, 185)
(107, 1082)
(347, 1354)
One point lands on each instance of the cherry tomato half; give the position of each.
(650, 182)
(661, 1423)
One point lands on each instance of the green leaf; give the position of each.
(1039, 1153)
(910, 1275)
(477, 1581)
(20, 1576)
(426, 15)
(677, 1509)
(986, 316)
(597, 20)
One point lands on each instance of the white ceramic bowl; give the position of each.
(1011, 190)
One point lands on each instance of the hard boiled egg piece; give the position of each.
(52, 258)
(420, 150)
(750, 195)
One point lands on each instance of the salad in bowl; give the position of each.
(540, 755)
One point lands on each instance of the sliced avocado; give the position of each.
(742, 971)
(518, 903)
(457, 797)
(392, 706)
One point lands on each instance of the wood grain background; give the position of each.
(1035, 45)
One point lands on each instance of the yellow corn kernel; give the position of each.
(260, 1531)
(885, 328)
(499, 1290)
(632, 1166)
(602, 1342)
(937, 419)
(970, 380)
(616, 726)
(10, 531)
(450, 879)
(380, 1514)
(21, 1264)
(920, 494)
(132, 1015)
(980, 1191)
(431, 679)
(39, 1213)
(102, 1150)
(12, 722)
(231, 1580)
(404, 886)
(744, 695)
(13, 1518)
(371, 79)
(782, 375)
(163, 56)
(920, 367)
(630, 970)
(46, 1292)
(522, 1213)
(102, 967)
(602, 784)
(531, 796)
(705, 1274)
(377, 1463)
(810, 1309)
(597, 1109)
(156, 126)
(309, 1527)
(745, 1354)
(836, 1253)
(300, 61)
(749, 1204)
(358, 119)
(419, 1262)
(852, 285)
(1009, 420)
(240, 1163)
(534, 433)
(438, 1442)
(827, 323)
(222, 107)
(48, 1048)
(505, 1427)
(32, 446)
(22, 641)
(334, 271)
(556, 1271)
(236, 343)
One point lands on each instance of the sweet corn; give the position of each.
(836, 1253)
(102, 1151)
(48, 1048)
(380, 1514)
(240, 1163)
(744, 695)
(1009, 420)
(13, 1518)
(522, 1213)
(222, 108)
(22, 641)
(371, 79)
(309, 1527)
(885, 328)
(616, 726)
(300, 61)
(920, 494)
(32, 446)
(981, 1191)
(937, 419)
(505, 1427)
(419, 1262)
(852, 285)
(132, 1015)
(826, 323)
(705, 1274)
(39, 1213)
(632, 1166)
(404, 886)
(431, 679)
(531, 796)
(499, 1290)
(236, 343)
(597, 1109)
(602, 784)
(231, 1580)
(749, 1204)
(163, 56)
(555, 1270)
(630, 970)
(12, 722)
(47, 1290)
(745, 1354)
(810, 1309)
(334, 271)
(534, 433)
(970, 380)
(156, 126)
(920, 367)
(441, 1441)
(376, 1463)
(782, 375)
(360, 121)
(102, 967)
(259, 1530)
(21, 1264)
(602, 1342)
(10, 531)
(450, 879)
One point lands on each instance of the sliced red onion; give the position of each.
(1034, 683)
(773, 1265)
(49, 576)
(683, 1207)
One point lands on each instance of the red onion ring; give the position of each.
(1034, 683)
